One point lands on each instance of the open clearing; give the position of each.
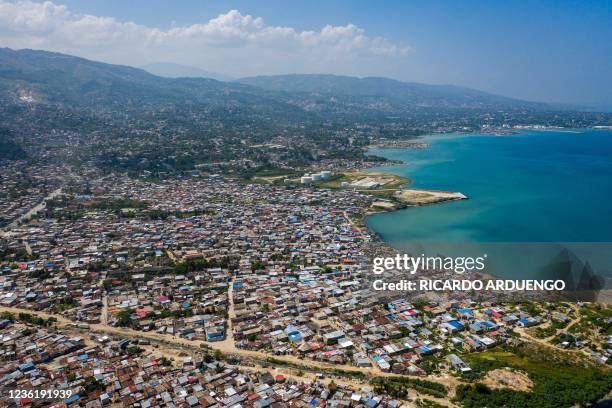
(378, 180)
(389, 187)
(384, 205)
(507, 378)
(423, 197)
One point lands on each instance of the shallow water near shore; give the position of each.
(535, 186)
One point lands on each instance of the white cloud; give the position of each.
(231, 43)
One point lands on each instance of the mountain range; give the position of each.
(395, 93)
(47, 77)
(64, 107)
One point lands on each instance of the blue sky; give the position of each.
(555, 51)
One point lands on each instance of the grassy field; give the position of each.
(391, 181)
(271, 176)
(390, 184)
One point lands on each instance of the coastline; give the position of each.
(414, 197)
(406, 197)
(410, 197)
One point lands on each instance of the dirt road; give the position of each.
(226, 347)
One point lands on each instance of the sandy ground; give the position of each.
(386, 205)
(423, 197)
(506, 378)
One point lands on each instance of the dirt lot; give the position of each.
(384, 205)
(506, 378)
(423, 197)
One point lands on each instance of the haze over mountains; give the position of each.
(172, 70)
(395, 92)
(40, 76)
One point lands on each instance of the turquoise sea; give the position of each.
(534, 186)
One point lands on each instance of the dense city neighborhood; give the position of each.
(223, 272)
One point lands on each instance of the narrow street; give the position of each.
(104, 313)
(33, 211)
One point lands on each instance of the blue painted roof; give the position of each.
(72, 398)
(456, 324)
(372, 403)
(27, 366)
